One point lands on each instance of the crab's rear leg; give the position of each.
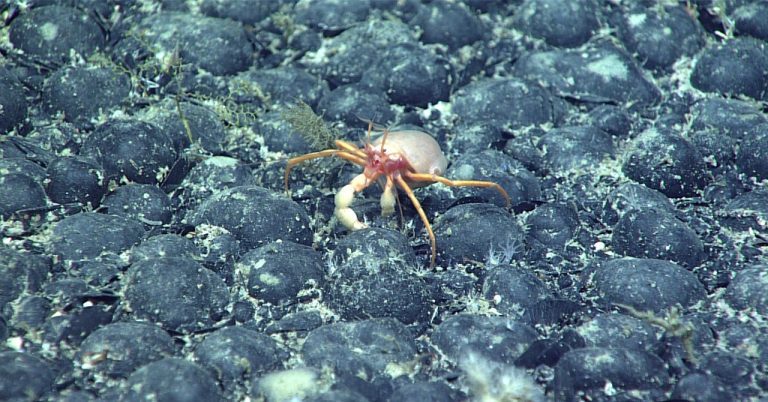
(422, 215)
(427, 177)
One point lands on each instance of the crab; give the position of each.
(405, 159)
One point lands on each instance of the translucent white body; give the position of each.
(418, 148)
(421, 152)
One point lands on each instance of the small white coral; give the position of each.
(505, 255)
(489, 381)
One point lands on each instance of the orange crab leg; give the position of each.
(344, 154)
(426, 177)
(348, 147)
(422, 215)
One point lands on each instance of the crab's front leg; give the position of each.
(388, 198)
(344, 199)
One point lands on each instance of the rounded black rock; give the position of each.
(89, 235)
(736, 67)
(171, 379)
(631, 196)
(625, 281)
(12, 101)
(219, 250)
(732, 368)
(615, 330)
(522, 186)
(355, 50)
(72, 328)
(164, 245)
(366, 346)
(32, 376)
(748, 211)
(138, 150)
(659, 39)
(332, 16)
(51, 32)
(719, 151)
(599, 73)
(82, 93)
(22, 165)
(516, 289)
(749, 19)
(279, 135)
(665, 161)
(247, 12)
(552, 225)
(212, 175)
(752, 154)
(75, 180)
(285, 85)
(30, 313)
(421, 78)
(278, 272)
(424, 391)
(701, 386)
(748, 289)
(562, 23)
(177, 293)
(507, 103)
(255, 216)
(375, 276)
(217, 45)
(473, 138)
(448, 23)
(99, 273)
(578, 373)
(575, 147)
(145, 203)
(467, 231)
(19, 194)
(20, 274)
(733, 118)
(614, 120)
(495, 338)
(206, 128)
(234, 354)
(350, 102)
(647, 233)
(118, 349)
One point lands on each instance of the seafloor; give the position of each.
(150, 250)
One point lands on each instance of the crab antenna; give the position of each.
(370, 128)
(384, 139)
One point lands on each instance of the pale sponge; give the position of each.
(488, 381)
(288, 385)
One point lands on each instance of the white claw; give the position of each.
(388, 201)
(348, 218)
(344, 199)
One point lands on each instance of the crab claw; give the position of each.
(344, 199)
(388, 199)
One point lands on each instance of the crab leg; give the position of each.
(347, 147)
(422, 215)
(354, 158)
(426, 177)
